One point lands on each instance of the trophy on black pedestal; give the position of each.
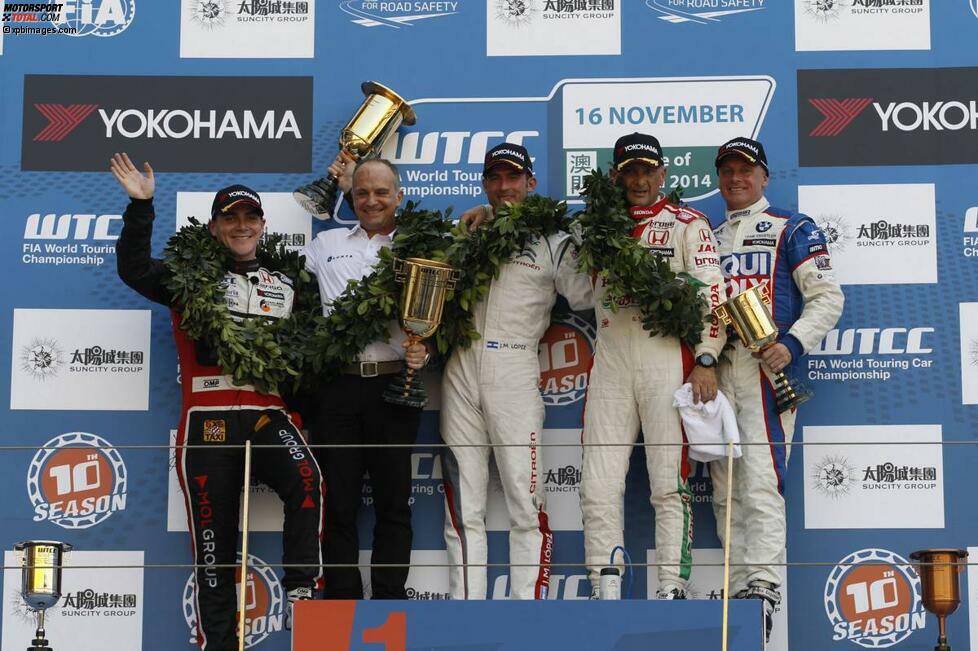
(422, 299)
(41, 581)
(939, 570)
(749, 312)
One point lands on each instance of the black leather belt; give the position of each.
(373, 369)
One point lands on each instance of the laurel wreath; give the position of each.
(669, 303)
(266, 353)
(309, 347)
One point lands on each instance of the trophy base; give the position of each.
(39, 644)
(318, 198)
(406, 391)
(942, 647)
(790, 393)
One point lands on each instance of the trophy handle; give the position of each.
(398, 267)
(453, 278)
(765, 290)
(723, 314)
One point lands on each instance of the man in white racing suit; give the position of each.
(760, 244)
(491, 396)
(635, 375)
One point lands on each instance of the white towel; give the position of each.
(709, 426)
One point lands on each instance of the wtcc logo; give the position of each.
(565, 360)
(873, 598)
(76, 481)
(875, 341)
(264, 602)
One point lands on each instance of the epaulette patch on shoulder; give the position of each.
(687, 215)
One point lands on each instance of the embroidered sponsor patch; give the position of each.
(215, 431)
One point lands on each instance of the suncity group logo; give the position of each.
(42, 358)
(834, 476)
(96, 17)
(974, 7)
(837, 233)
(213, 14)
(264, 602)
(209, 14)
(76, 481)
(396, 13)
(565, 358)
(825, 10)
(562, 480)
(701, 11)
(515, 13)
(873, 598)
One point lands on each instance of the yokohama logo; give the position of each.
(62, 120)
(838, 114)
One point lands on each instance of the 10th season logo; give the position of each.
(565, 359)
(873, 598)
(264, 602)
(76, 481)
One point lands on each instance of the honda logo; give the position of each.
(658, 238)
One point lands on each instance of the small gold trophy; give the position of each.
(938, 570)
(41, 581)
(749, 312)
(363, 137)
(425, 284)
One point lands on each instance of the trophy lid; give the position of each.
(409, 117)
(21, 546)
(921, 553)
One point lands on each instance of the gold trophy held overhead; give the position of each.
(425, 284)
(938, 570)
(749, 312)
(364, 136)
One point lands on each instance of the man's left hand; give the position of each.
(415, 355)
(704, 383)
(776, 356)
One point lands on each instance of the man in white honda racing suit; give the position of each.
(789, 252)
(635, 375)
(491, 395)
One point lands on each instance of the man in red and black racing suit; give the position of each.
(221, 416)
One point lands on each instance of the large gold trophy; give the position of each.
(41, 581)
(381, 113)
(938, 570)
(426, 282)
(749, 312)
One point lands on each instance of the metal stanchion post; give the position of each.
(243, 589)
(726, 546)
